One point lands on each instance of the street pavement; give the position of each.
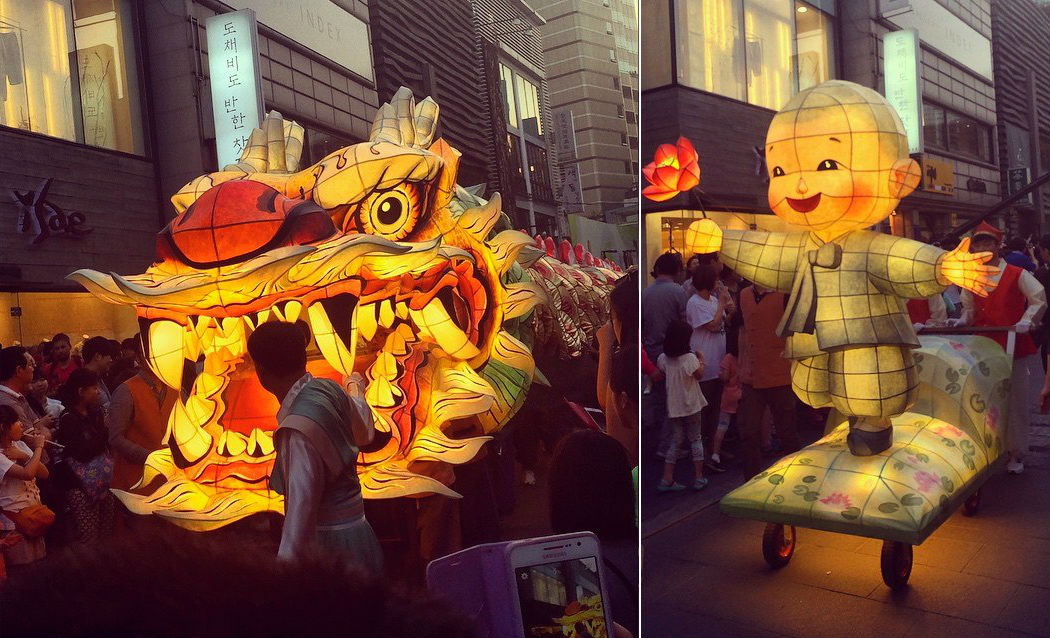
(983, 576)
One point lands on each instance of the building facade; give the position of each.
(1020, 46)
(430, 48)
(511, 61)
(715, 72)
(957, 107)
(591, 49)
(737, 61)
(106, 112)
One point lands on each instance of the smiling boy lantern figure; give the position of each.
(838, 163)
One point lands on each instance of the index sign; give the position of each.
(236, 81)
(901, 62)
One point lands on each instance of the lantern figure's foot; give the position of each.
(869, 435)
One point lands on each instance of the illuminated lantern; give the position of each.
(838, 162)
(399, 275)
(674, 169)
(548, 244)
(949, 441)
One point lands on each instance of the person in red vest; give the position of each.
(768, 382)
(1018, 300)
(928, 313)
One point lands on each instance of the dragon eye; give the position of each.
(828, 165)
(777, 171)
(392, 213)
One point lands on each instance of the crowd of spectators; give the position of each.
(65, 425)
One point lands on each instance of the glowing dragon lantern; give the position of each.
(396, 271)
(838, 162)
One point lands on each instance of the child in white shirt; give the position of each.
(683, 370)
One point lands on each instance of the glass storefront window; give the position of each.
(108, 75)
(933, 126)
(957, 133)
(656, 43)
(506, 89)
(758, 51)
(814, 42)
(42, 43)
(36, 45)
(318, 144)
(710, 46)
(769, 53)
(529, 104)
(969, 137)
(539, 173)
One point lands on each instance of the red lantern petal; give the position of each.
(658, 194)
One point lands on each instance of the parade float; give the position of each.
(401, 275)
(917, 423)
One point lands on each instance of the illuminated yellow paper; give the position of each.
(946, 443)
(400, 274)
(838, 163)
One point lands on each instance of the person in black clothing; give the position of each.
(591, 490)
(86, 466)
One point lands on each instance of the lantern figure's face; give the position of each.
(837, 156)
(390, 264)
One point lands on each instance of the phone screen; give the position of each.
(563, 598)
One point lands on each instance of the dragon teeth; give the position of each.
(231, 443)
(366, 322)
(434, 324)
(386, 313)
(166, 351)
(260, 443)
(292, 309)
(328, 341)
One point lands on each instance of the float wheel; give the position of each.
(778, 544)
(896, 563)
(972, 504)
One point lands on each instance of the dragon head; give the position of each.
(395, 269)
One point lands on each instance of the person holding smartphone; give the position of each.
(16, 374)
(320, 429)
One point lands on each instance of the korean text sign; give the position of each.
(236, 82)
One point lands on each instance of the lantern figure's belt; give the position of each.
(801, 311)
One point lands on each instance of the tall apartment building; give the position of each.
(591, 50)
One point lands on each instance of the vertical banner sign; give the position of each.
(901, 66)
(236, 81)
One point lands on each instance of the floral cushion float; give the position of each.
(943, 447)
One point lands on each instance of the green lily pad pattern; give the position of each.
(948, 439)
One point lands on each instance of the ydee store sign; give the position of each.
(40, 219)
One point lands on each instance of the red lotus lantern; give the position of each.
(674, 169)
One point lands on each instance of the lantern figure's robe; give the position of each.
(847, 326)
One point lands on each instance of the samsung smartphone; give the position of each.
(560, 589)
(549, 586)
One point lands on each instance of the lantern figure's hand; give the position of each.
(969, 271)
(703, 236)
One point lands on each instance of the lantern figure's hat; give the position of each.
(987, 230)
